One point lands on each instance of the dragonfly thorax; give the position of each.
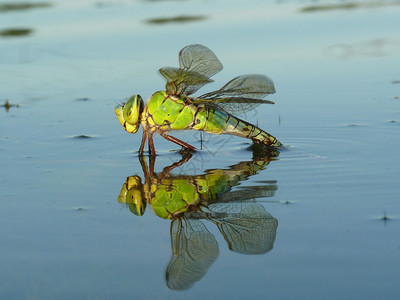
(171, 87)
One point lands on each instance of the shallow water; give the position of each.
(333, 191)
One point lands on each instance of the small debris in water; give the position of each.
(327, 7)
(7, 105)
(79, 209)
(178, 19)
(15, 32)
(6, 7)
(385, 218)
(355, 125)
(82, 136)
(346, 6)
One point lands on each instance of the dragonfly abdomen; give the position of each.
(220, 122)
(256, 134)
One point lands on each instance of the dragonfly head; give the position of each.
(128, 114)
(131, 194)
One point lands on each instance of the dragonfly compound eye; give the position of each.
(131, 111)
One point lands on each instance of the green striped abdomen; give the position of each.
(220, 122)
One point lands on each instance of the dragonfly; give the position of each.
(192, 201)
(176, 108)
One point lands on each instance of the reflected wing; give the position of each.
(194, 250)
(241, 94)
(246, 226)
(197, 64)
(250, 192)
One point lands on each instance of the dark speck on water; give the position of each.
(15, 32)
(327, 7)
(348, 6)
(385, 218)
(355, 125)
(9, 7)
(178, 19)
(82, 137)
(7, 105)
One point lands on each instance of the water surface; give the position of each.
(64, 157)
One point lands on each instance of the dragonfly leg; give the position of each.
(166, 170)
(144, 136)
(178, 141)
(152, 150)
(144, 168)
(152, 160)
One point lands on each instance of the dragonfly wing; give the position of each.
(197, 64)
(183, 81)
(247, 86)
(235, 105)
(199, 59)
(241, 94)
(246, 226)
(194, 250)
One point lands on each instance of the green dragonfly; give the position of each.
(175, 109)
(188, 200)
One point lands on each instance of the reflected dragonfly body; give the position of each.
(187, 200)
(175, 109)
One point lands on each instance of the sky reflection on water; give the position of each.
(337, 111)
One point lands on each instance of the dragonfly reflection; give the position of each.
(187, 200)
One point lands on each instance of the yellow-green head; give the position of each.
(131, 194)
(129, 113)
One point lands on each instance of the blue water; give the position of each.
(64, 235)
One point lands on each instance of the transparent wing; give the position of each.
(194, 250)
(247, 228)
(180, 81)
(197, 64)
(199, 59)
(252, 192)
(241, 94)
(248, 86)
